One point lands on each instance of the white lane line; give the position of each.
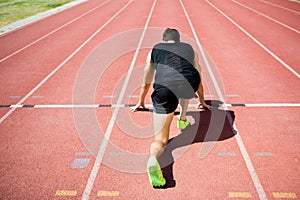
(250, 167)
(256, 41)
(67, 106)
(273, 105)
(108, 132)
(284, 8)
(191, 105)
(62, 64)
(266, 16)
(50, 33)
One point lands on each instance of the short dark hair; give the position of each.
(171, 34)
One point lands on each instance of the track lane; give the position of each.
(235, 55)
(292, 5)
(109, 130)
(38, 154)
(280, 6)
(64, 138)
(62, 93)
(30, 43)
(249, 126)
(277, 49)
(32, 32)
(255, 179)
(273, 148)
(25, 68)
(278, 15)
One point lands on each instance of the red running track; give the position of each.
(93, 55)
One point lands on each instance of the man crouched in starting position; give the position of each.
(177, 79)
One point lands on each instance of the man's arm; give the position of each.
(147, 79)
(200, 91)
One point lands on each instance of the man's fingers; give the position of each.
(200, 106)
(203, 106)
(208, 107)
(137, 107)
(134, 109)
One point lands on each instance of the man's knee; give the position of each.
(164, 142)
(159, 144)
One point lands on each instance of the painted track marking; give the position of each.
(239, 195)
(246, 105)
(266, 16)
(246, 157)
(108, 132)
(256, 41)
(50, 33)
(284, 8)
(62, 64)
(64, 193)
(284, 195)
(103, 193)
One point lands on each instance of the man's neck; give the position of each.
(170, 41)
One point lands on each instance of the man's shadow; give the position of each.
(210, 125)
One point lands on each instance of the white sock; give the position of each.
(152, 161)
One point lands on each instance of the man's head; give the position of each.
(171, 34)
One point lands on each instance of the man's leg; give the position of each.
(183, 122)
(162, 123)
(184, 103)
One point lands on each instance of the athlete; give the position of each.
(177, 79)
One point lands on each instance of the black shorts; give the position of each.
(165, 99)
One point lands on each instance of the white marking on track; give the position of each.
(232, 95)
(67, 106)
(14, 97)
(272, 104)
(16, 106)
(191, 105)
(37, 97)
(262, 154)
(108, 97)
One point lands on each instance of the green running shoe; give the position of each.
(182, 124)
(155, 175)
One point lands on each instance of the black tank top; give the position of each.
(174, 64)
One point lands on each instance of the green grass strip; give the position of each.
(15, 10)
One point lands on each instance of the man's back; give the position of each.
(173, 63)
